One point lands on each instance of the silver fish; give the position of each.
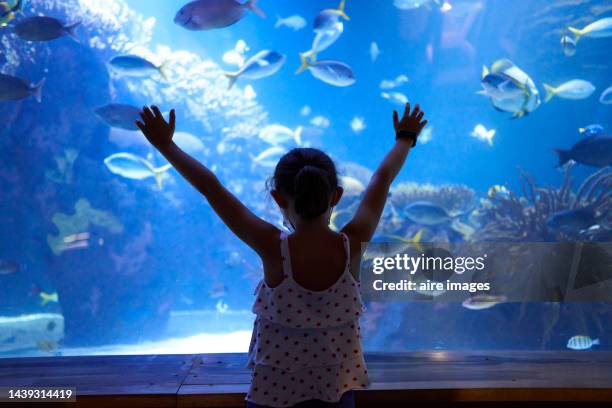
(119, 115)
(263, 64)
(135, 66)
(295, 22)
(331, 72)
(135, 167)
(13, 88)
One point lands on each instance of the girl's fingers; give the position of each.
(148, 114)
(423, 124)
(416, 111)
(420, 115)
(143, 117)
(407, 109)
(140, 125)
(172, 119)
(395, 119)
(158, 114)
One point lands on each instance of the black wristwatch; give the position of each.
(405, 134)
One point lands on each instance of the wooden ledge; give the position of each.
(431, 378)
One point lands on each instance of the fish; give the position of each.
(48, 297)
(189, 143)
(305, 111)
(320, 121)
(333, 73)
(499, 192)
(606, 96)
(47, 345)
(482, 302)
(277, 134)
(119, 116)
(415, 4)
(374, 51)
(598, 29)
(582, 342)
(324, 39)
(387, 84)
(405, 243)
(358, 124)
(40, 28)
(328, 18)
(221, 306)
(263, 64)
(397, 98)
(269, 157)
(520, 105)
(500, 86)
(137, 67)
(8, 12)
(571, 221)
(574, 89)
(592, 130)
(236, 55)
(14, 88)
(8, 267)
(202, 15)
(351, 186)
(593, 151)
(295, 22)
(218, 290)
(427, 213)
(135, 167)
(568, 45)
(482, 133)
(426, 135)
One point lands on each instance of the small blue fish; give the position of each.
(571, 221)
(592, 130)
(593, 151)
(13, 88)
(331, 72)
(8, 267)
(211, 14)
(135, 66)
(581, 342)
(119, 116)
(263, 64)
(40, 28)
(327, 18)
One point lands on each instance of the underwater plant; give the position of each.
(548, 214)
(454, 200)
(70, 226)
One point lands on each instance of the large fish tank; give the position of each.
(98, 260)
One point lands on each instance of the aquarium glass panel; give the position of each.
(106, 249)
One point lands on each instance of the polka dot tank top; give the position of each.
(306, 344)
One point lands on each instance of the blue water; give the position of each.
(160, 270)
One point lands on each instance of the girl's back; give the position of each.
(305, 342)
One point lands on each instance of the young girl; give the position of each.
(305, 347)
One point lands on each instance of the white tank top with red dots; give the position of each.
(306, 344)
